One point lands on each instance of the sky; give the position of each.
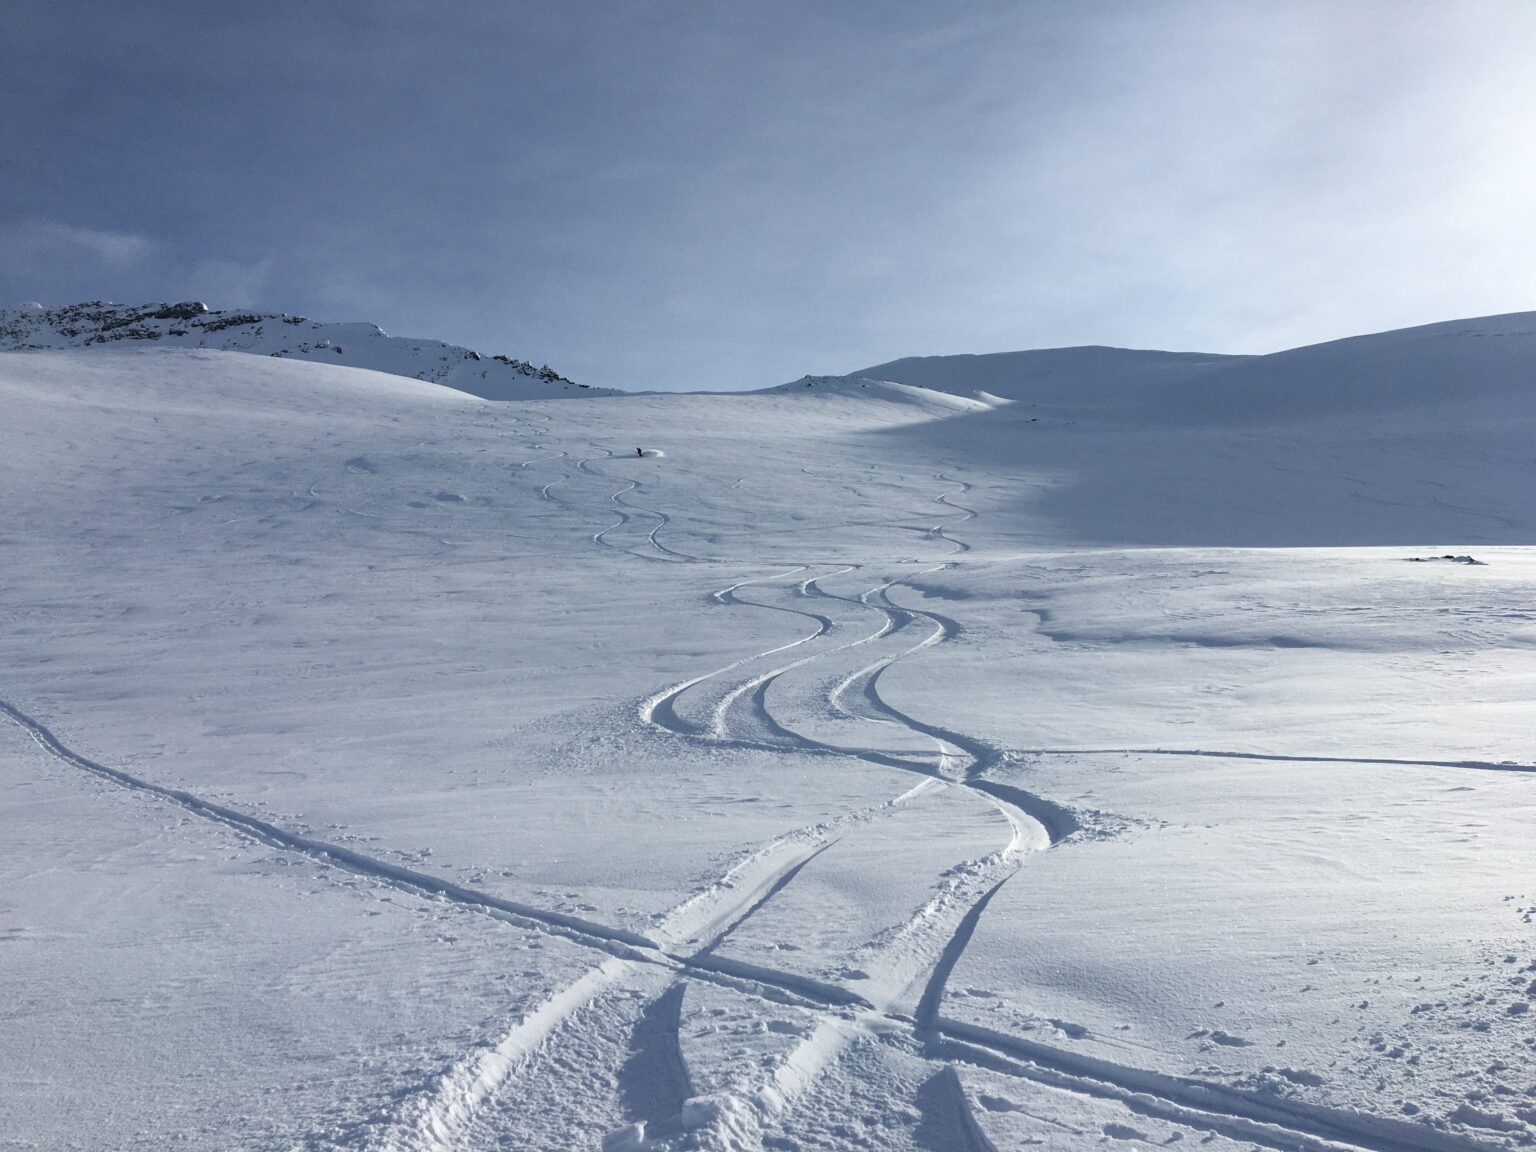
(658, 194)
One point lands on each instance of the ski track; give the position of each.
(1284, 1125)
(1057, 822)
(539, 459)
(1281, 1123)
(1475, 765)
(686, 940)
(436, 1124)
(654, 1083)
(933, 994)
(951, 1091)
(779, 881)
(762, 729)
(465, 1091)
(439, 1123)
(624, 508)
(575, 928)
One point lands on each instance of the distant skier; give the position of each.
(639, 452)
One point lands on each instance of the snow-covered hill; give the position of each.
(1089, 377)
(387, 770)
(1377, 439)
(930, 401)
(191, 325)
(1465, 366)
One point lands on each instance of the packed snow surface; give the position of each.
(857, 764)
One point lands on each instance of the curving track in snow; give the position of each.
(817, 697)
(651, 548)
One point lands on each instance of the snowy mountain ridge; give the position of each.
(192, 324)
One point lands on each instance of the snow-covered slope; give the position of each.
(1476, 369)
(1461, 365)
(930, 401)
(386, 769)
(1379, 439)
(1090, 377)
(191, 325)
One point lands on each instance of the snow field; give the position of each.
(805, 784)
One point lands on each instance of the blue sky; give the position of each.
(722, 195)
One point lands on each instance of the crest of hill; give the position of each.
(890, 390)
(1484, 365)
(1479, 368)
(1091, 375)
(98, 323)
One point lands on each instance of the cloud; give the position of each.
(675, 194)
(61, 262)
(37, 244)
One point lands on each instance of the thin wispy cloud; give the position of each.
(86, 262)
(37, 246)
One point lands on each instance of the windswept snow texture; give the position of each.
(99, 324)
(861, 764)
